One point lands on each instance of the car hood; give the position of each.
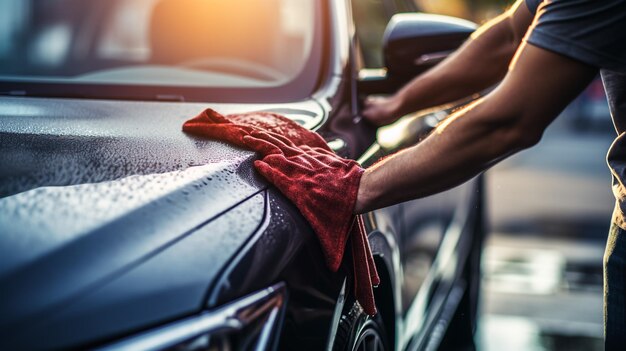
(90, 190)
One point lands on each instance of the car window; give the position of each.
(243, 43)
(371, 18)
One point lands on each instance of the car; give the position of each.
(119, 231)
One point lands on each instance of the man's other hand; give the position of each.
(381, 111)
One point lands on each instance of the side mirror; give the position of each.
(413, 43)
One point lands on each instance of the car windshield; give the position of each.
(184, 43)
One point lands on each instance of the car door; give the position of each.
(418, 225)
(439, 237)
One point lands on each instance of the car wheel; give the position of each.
(359, 332)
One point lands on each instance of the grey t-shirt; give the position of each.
(594, 32)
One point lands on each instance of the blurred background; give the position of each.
(549, 212)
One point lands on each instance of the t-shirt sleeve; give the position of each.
(591, 31)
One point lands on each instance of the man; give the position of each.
(544, 52)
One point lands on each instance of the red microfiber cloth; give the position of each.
(321, 184)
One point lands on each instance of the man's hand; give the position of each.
(321, 184)
(512, 117)
(477, 65)
(381, 111)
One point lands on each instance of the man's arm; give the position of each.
(513, 117)
(478, 64)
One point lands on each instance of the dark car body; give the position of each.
(118, 229)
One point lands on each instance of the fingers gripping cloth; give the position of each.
(322, 185)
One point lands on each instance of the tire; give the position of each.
(359, 332)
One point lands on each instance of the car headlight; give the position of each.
(250, 323)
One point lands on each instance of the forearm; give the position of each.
(480, 63)
(509, 119)
(468, 143)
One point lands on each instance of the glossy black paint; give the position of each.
(92, 191)
(113, 221)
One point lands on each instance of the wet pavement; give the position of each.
(549, 212)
